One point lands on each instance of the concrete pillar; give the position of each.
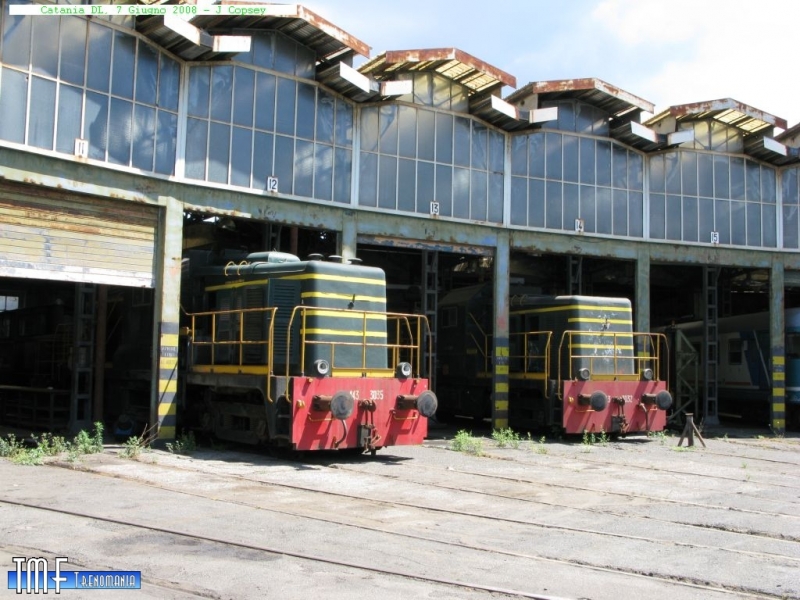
(642, 300)
(349, 237)
(777, 326)
(500, 340)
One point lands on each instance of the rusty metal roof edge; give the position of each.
(433, 54)
(581, 84)
(720, 104)
(789, 133)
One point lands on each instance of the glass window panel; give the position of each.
(41, 128)
(672, 169)
(243, 90)
(265, 101)
(690, 219)
(702, 134)
(199, 89)
(689, 172)
(166, 136)
(459, 100)
(119, 131)
(588, 208)
(73, 50)
(571, 205)
(657, 174)
(768, 194)
(497, 145)
(496, 194)
(583, 118)
(169, 83)
(17, 39)
(387, 123)
(407, 131)
(722, 220)
(122, 65)
(286, 105)
(753, 217)
(737, 178)
(70, 107)
(342, 168)
(306, 107)
(344, 123)
(566, 116)
(444, 187)
(587, 159)
(554, 199)
(263, 148)
(387, 182)
(44, 55)
(219, 152)
(441, 92)
(705, 174)
(480, 142)
(635, 171)
(719, 137)
(657, 216)
(536, 155)
(519, 155)
(705, 209)
(461, 200)
(619, 168)
(285, 55)
(461, 142)
(554, 158)
(368, 180)
(306, 59)
(635, 214)
(407, 185)
(304, 169)
(769, 233)
(619, 222)
(478, 195)
(674, 221)
(444, 138)
(221, 94)
(536, 203)
(791, 231)
(95, 127)
(519, 200)
(423, 89)
(738, 223)
(570, 157)
(326, 105)
(425, 186)
(370, 117)
(603, 163)
(147, 75)
(263, 55)
(426, 134)
(99, 57)
(144, 136)
(721, 177)
(789, 185)
(13, 105)
(605, 210)
(241, 156)
(196, 148)
(753, 181)
(284, 163)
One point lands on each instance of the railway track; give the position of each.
(354, 504)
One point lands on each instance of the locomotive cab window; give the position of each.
(450, 317)
(735, 348)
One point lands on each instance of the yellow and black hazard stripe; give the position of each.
(167, 381)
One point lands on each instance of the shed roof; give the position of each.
(726, 110)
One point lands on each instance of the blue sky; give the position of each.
(667, 52)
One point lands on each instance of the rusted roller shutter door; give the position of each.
(45, 234)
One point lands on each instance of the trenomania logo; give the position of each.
(31, 575)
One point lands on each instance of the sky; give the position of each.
(666, 52)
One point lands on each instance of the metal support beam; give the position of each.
(641, 303)
(711, 345)
(777, 326)
(163, 406)
(502, 289)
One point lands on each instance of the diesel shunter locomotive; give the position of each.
(575, 364)
(302, 354)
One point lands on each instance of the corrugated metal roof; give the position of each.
(329, 42)
(726, 110)
(477, 75)
(592, 91)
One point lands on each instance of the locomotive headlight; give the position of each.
(584, 374)
(647, 374)
(322, 367)
(403, 370)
